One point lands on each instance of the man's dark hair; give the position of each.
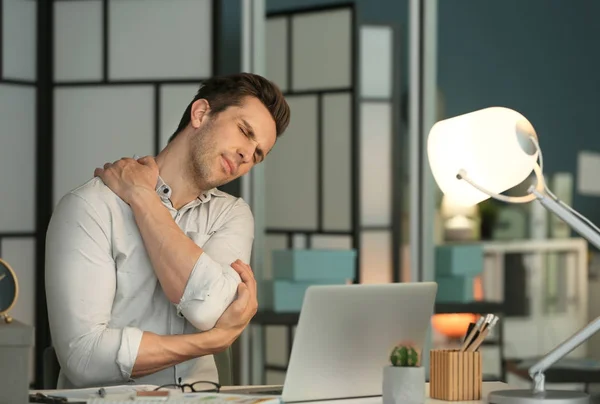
(227, 91)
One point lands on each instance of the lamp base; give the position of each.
(530, 397)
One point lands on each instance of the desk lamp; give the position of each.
(481, 154)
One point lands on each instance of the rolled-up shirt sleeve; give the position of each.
(213, 283)
(80, 288)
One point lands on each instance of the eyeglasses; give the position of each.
(196, 387)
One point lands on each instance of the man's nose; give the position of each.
(246, 152)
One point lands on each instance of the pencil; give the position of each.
(481, 337)
(473, 333)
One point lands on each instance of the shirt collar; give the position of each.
(164, 191)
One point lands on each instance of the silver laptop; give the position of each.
(346, 333)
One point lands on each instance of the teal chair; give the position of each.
(223, 360)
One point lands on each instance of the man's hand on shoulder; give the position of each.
(127, 176)
(239, 313)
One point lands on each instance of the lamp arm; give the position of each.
(463, 175)
(575, 222)
(536, 372)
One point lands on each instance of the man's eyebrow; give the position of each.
(250, 133)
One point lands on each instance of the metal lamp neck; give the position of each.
(538, 382)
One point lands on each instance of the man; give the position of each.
(146, 264)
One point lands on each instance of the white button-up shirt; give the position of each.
(102, 292)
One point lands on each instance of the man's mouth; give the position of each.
(229, 166)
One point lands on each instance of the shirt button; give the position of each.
(166, 190)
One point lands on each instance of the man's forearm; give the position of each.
(172, 253)
(158, 352)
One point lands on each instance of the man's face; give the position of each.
(227, 146)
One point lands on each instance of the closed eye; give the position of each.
(246, 130)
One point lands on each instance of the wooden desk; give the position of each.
(488, 387)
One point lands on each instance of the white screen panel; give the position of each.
(337, 170)
(77, 40)
(331, 242)
(299, 241)
(276, 345)
(276, 51)
(97, 125)
(375, 164)
(17, 158)
(291, 171)
(322, 50)
(19, 31)
(160, 39)
(376, 257)
(174, 99)
(376, 61)
(19, 253)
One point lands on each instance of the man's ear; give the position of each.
(199, 113)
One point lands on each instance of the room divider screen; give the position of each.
(84, 82)
(334, 179)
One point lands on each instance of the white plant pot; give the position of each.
(403, 385)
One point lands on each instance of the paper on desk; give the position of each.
(191, 398)
(123, 393)
(92, 392)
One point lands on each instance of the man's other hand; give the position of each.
(239, 313)
(127, 176)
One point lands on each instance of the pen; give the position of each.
(472, 334)
(479, 340)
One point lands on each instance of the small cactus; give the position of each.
(404, 355)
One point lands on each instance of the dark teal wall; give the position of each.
(540, 57)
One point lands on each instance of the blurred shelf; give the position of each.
(469, 307)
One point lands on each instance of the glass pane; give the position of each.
(19, 39)
(376, 61)
(321, 50)
(291, 171)
(327, 242)
(17, 158)
(376, 164)
(272, 242)
(275, 377)
(83, 142)
(337, 170)
(276, 51)
(174, 99)
(376, 257)
(159, 39)
(77, 40)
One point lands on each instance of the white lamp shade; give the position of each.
(491, 145)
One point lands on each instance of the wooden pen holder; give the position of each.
(455, 375)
